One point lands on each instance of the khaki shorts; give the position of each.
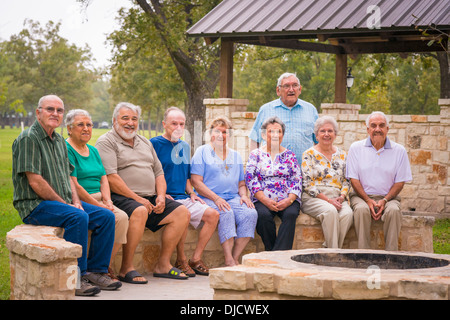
(197, 209)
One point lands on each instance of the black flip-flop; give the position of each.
(173, 273)
(130, 276)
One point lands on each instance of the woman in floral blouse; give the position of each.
(274, 179)
(325, 187)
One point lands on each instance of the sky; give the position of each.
(79, 27)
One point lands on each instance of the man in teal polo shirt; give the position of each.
(45, 195)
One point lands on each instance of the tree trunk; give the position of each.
(444, 66)
(149, 124)
(196, 87)
(195, 119)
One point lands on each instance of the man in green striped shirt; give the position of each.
(44, 194)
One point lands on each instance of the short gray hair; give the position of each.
(287, 75)
(379, 113)
(172, 109)
(324, 120)
(128, 105)
(273, 120)
(70, 117)
(42, 99)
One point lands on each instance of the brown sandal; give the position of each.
(111, 274)
(199, 267)
(184, 266)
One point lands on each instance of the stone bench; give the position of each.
(416, 235)
(43, 265)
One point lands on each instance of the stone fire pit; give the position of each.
(335, 274)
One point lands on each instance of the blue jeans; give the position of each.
(76, 224)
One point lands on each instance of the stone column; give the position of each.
(235, 110)
(444, 172)
(340, 108)
(223, 107)
(444, 104)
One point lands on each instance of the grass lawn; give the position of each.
(441, 236)
(9, 217)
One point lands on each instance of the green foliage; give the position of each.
(100, 106)
(156, 65)
(142, 72)
(257, 70)
(384, 82)
(396, 85)
(36, 62)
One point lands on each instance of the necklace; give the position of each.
(176, 151)
(174, 146)
(328, 154)
(224, 160)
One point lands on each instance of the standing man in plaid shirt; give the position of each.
(298, 115)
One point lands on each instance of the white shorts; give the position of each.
(197, 209)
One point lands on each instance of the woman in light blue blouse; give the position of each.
(217, 174)
(274, 179)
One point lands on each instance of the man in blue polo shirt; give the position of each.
(174, 155)
(298, 115)
(378, 169)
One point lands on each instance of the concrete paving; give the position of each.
(196, 288)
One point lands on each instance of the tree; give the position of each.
(38, 62)
(396, 85)
(99, 107)
(142, 72)
(197, 64)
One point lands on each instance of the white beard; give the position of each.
(125, 135)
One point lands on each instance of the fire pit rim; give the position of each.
(282, 260)
(274, 273)
(361, 259)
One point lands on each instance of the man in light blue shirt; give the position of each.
(298, 115)
(378, 169)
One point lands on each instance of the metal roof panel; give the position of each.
(300, 16)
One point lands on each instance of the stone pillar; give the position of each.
(223, 107)
(43, 265)
(340, 108)
(234, 110)
(444, 105)
(444, 169)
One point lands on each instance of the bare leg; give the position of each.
(134, 235)
(227, 250)
(175, 226)
(210, 219)
(239, 246)
(180, 247)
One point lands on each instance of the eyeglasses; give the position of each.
(287, 86)
(52, 110)
(82, 125)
